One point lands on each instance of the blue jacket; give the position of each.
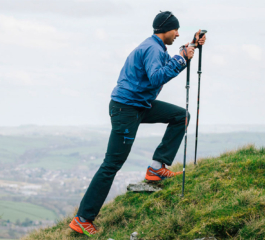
(146, 70)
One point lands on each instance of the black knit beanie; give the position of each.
(167, 25)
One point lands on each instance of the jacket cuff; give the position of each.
(181, 60)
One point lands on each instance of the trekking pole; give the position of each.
(198, 99)
(186, 120)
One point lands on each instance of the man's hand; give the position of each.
(198, 41)
(187, 52)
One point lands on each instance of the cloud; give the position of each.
(21, 78)
(70, 92)
(29, 78)
(101, 34)
(226, 12)
(29, 33)
(238, 57)
(74, 8)
(125, 50)
(254, 51)
(219, 60)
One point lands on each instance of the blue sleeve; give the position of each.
(156, 72)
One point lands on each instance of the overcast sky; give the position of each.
(60, 60)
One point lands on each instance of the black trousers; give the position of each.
(125, 121)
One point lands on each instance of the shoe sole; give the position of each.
(152, 181)
(152, 178)
(76, 229)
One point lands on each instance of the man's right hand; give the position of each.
(187, 52)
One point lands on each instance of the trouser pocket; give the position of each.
(128, 140)
(124, 120)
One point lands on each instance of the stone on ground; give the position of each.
(206, 238)
(143, 187)
(134, 236)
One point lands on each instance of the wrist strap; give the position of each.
(185, 54)
(194, 41)
(194, 38)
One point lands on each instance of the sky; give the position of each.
(60, 60)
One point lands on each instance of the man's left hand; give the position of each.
(200, 41)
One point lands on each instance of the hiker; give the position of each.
(146, 70)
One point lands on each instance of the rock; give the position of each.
(143, 187)
(110, 239)
(134, 236)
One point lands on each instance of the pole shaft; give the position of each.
(198, 101)
(186, 124)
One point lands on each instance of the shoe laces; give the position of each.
(89, 222)
(92, 224)
(164, 166)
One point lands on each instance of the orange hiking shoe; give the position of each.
(86, 228)
(159, 174)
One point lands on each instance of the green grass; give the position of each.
(224, 198)
(83, 150)
(12, 147)
(13, 211)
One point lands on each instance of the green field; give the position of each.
(12, 147)
(88, 150)
(13, 211)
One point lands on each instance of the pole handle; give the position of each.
(202, 33)
(200, 36)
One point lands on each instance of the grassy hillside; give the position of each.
(224, 198)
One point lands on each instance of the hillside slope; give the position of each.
(224, 198)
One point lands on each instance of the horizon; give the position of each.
(145, 130)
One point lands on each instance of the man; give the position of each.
(145, 71)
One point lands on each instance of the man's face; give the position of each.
(170, 36)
